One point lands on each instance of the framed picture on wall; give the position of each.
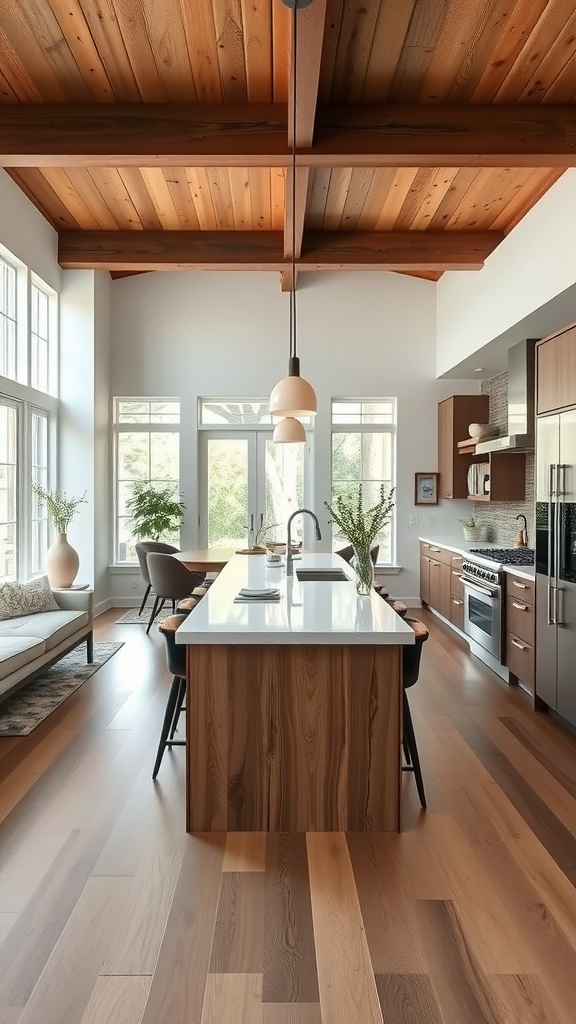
(426, 488)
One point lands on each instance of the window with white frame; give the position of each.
(364, 452)
(24, 459)
(39, 338)
(147, 450)
(8, 280)
(39, 432)
(8, 489)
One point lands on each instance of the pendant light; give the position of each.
(293, 396)
(289, 431)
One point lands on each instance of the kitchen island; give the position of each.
(294, 707)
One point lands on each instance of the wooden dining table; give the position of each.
(205, 559)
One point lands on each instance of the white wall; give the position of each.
(102, 440)
(25, 232)
(533, 265)
(186, 335)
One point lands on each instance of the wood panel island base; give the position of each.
(294, 738)
(294, 707)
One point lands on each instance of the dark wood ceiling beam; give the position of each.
(263, 250)
(255, 135)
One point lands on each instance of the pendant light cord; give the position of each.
(293, 293)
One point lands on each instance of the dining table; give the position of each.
(205, 559)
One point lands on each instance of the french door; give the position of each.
(248, 486)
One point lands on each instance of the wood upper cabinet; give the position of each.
(556, 372)
(454, 415)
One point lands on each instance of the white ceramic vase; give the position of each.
(61, 563)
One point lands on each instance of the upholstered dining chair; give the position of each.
(171, 581)
(143, 549)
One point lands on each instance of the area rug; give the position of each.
(28, 707)
(132, 616)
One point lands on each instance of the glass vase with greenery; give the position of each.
(61, 509)
(155, 513)
(360, 526)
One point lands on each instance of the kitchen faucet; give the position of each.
(289, 559)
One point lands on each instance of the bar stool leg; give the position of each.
(178, 709)
(411, 741)
(166, 724)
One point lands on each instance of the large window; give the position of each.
(8, 489)
(364, 452)
(248, 484)
(40, 339)
(147, 432)
(7, 319)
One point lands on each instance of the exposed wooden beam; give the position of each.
(310, 29)
(255, 135)
(263, 250)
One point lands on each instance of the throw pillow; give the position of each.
(27, 598)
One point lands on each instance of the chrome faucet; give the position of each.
(289, 559)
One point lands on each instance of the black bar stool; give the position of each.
(411, 655)
(176, 658)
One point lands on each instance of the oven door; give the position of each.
(482, 616)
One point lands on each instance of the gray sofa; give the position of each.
(31, 642)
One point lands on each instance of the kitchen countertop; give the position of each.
(462, 547)
(311, 612)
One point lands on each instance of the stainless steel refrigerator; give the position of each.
(556, 563)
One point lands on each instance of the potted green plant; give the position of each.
(62, 559)
(155, 512)
(472, 528)
(360, 527)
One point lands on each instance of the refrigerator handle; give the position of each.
(557, 542)
(551, 526)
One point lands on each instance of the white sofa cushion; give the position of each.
(16, 651)
(53, 627)
(26, 598)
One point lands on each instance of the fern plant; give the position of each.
(155, 513)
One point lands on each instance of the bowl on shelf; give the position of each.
(481, 430)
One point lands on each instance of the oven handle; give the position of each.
(480, 590)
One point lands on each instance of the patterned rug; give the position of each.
(28, 707)
(132, 616)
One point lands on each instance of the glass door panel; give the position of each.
(227, 512)
(282, 481)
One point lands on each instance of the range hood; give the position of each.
(520, 436)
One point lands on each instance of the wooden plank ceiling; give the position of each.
(156, 134)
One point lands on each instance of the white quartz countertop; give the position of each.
(311, 612)
(462, 547)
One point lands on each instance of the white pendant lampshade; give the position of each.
(289, 431)
(293, 396)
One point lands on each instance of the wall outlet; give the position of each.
(432, 520)
(133, 585)
(413, 520)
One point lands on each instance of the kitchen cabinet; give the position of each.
(520, 630)
(556, 372)
(507, 473)
(425, 579)
(435, 570)
(456, 592)
(454, 416)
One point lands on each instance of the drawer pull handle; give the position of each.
(456, 601)
(520, 607)
(521, 585)
(456, 572)
(437, 550)
(518, 644)
(432, 562)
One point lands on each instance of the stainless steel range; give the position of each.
(483, 579)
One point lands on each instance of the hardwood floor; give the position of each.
(111, 914)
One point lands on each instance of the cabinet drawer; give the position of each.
(424, 548)
(520, 618)
(520, 659)
(456, 585)
(456, 560)
(520, 588)
(440, 554)
(457, 612)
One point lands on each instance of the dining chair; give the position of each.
(143, 549)
(171, 581)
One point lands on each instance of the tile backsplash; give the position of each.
(499, 517)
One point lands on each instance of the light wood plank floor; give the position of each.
(111, 914)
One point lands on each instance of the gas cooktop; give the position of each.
(506, 556)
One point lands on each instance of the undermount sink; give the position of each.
(330, 575)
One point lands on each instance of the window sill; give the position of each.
(124, 569)
(387, 570)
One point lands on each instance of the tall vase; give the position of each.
(364, 567)
(61, 563)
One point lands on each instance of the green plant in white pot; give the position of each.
(360, 527)
(472, 528)
(156, 513)
(62, 559)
